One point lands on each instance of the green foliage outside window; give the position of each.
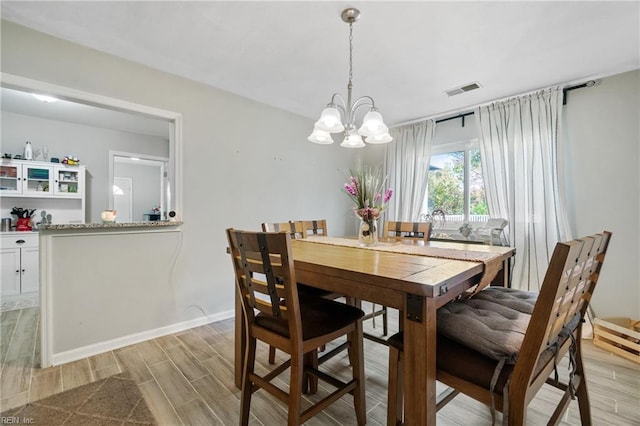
(446, 184)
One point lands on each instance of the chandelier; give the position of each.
(331, 120)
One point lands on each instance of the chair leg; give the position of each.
(581, 392)
(310, 382)
(356, 351)
(247, 384)
(295, 388)
(385, 321)
(517, 415)
(272, 355)
(373, 318)
(395, 396)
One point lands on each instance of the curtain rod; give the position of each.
(464, 114)
(589, 83)
(453, 117)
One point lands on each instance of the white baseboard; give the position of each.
(109, 345)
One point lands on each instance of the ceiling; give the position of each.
(24, 103)
(294, 55)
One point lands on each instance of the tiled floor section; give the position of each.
(12, 303)
(186, 378)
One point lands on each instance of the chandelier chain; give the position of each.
(350, 52)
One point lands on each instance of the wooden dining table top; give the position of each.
(416, 274)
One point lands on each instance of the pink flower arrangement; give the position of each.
(366, 189)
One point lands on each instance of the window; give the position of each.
(455, 184)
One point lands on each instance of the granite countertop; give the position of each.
(100, 225)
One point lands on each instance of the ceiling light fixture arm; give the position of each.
(363, 101)
(349, 111)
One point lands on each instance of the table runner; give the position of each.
(492, 262)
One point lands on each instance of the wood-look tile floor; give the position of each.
(187, 379)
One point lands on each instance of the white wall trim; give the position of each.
(120, 342)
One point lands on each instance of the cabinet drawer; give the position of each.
(20, 240)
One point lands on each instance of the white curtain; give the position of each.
(518, 141)
(407, 164)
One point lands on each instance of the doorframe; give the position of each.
(165, 193)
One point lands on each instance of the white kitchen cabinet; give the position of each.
(58, 189)
(37, 180)
(10, 178)
(26, 179)
(68, 181)
(19, 178)
(9, 271)
(19, 267)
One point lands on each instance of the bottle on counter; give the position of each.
(28, 151)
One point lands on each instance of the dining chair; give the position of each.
(315, 227)
(297, 229)
(502, 345)
(406, 230)
(276, 314)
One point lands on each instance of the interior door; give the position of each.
(123, 199)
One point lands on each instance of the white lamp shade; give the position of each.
(318, 136)
(384, 138)
(330, 121)
(352, 140)
(373, 125)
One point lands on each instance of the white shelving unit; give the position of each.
(57, 188)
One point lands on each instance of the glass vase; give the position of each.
(368, 232)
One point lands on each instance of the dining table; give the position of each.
(415, 278)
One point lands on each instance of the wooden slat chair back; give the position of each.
(557, 318)
(316, 227)
(273, 313)
(263, 278)
(295, 229)
(504, 378)
(406, 230)
(300, 229)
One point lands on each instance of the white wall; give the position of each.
(91, 145)
(602, 160)
(243, 162)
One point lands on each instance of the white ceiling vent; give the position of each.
(462, 89)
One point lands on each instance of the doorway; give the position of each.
(123, 198)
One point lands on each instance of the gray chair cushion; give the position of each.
(522, 301)
(488, 327)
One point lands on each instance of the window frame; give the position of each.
(466, 146)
